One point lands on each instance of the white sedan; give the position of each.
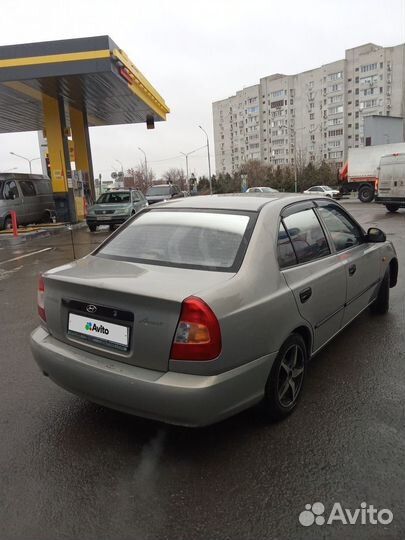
(264, 189)
(323, 190)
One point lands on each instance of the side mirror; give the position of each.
(375, 235)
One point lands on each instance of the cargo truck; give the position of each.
(361, 172)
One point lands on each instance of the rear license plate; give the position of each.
(113, 335)
(103, 218)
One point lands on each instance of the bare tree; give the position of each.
(176, 176)
(139, 178)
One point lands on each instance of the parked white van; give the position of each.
(391, 185)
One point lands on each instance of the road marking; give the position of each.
(26, 255)
(4, 274)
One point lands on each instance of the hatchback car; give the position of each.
(163, 193)
(323, 190)
(114, 207)
(199, 308)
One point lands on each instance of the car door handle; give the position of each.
(352, 269)
(305, 295)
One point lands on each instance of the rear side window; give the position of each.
(286, 253)
(43, 187)
(344, 233)
(10, 190)
(306, 235)
(27, 188)
(202, 240)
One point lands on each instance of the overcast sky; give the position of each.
(195, 52)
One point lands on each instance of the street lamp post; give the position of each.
(122, 173)
(146, 164)
(186, 156)
(209, 159)
(26, 159)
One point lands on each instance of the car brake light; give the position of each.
(198, 335)
(41, 295)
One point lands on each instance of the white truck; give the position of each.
(391, 184)
(361, 171)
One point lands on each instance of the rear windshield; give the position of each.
(158, 190)
(189, 239)
(114, 197)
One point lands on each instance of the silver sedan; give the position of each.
(201, 307)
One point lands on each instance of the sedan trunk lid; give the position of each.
(145, 299)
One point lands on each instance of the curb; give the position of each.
(9, 240)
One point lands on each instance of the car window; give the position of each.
(315, 188)
(204, 240)
(286, 253)
(158, 190)
(114, 197)
(27, 188)
(344, 233)
(307, 236)
(10, 190)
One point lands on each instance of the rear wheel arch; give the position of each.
(393, 272)
(7, 222)
(306, 335)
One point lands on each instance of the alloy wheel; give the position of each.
(290, 375)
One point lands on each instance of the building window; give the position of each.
(278, 93)
(335, 76)
(335, 110)
(368, 67)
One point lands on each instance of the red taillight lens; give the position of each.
(198, 335)
(41, 294)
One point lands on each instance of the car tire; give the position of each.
(8, 224)
(281, 397)
(92, 228)
(392, 207)
(112, 227)
(381, 304)
(366, 194)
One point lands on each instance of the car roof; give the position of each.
(252, 202)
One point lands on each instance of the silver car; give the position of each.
(201, 307)
(114, 207)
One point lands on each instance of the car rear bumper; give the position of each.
(400, 201)
(175, 398)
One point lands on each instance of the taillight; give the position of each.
(41, 295)
(198, 335)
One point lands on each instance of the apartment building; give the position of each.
(311, 116)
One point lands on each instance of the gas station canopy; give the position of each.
(90, 74)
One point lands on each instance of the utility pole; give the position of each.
(209, 159)
(188, 182)
(146, 164)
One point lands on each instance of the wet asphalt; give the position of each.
(70, 469)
